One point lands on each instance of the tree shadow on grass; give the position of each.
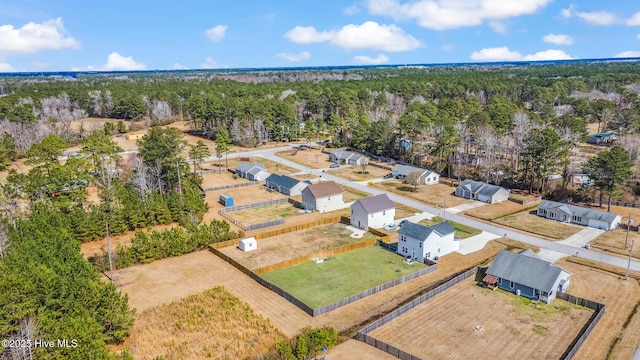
(406, 188)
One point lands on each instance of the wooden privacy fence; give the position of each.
(295, 203)
(587, 328)
(383, 236)
(363, 333)
(252, 205)
(229, 186)
(297, 227)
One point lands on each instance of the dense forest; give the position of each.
(511, 125)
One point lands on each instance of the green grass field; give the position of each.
(346, 274)
(462, 231)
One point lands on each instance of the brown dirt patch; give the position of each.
(353, 173)
(314, 158)
(295, 244)
(347, 349)
(430, 194)
(530, 222)
(494, 211)
(619, 297)
(508, 326)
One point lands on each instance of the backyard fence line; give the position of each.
(296, 203)
(290, 298)
(252, 205)
(389, 349)
(296, 227)
(525, 201)
(229, 186)
(587, 328)
(263, 225)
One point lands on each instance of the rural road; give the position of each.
(490, 228)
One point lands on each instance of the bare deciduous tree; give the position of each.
(414, 178)
(364, 163)
(521, 127)
(488, 147)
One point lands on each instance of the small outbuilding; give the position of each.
(226, 200)
(248, 244)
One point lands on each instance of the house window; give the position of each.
(329, 198)
(420, 244)
(543, 211)
(511, 284)
(552, 214)
(577, 218)
(428, 255)
(438, 250)
(499, 281)
(384, 212)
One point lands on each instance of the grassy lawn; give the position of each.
(343, 275)
(462, 231)
(494, 211)
(529, 221)
(354, 173)
(403, 211)
(351, 194)
(431, 194)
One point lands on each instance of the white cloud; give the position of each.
(447, 47)
(368, 35)
(305, 55)
(210, 63)
(628, 54)
(32, 38)
(363, 59)
(451, 14)
(216, 33)
(504, 54)
(6, 67)
(634, 20)
(351, 10)
(116, 61)
(558, 39)
(551, 54)
(178, 66)
(498, 27)
(638, 36)
(601, 18)
(496, 54)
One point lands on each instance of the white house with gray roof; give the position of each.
(421, 242)
(578, 215)
(373, 212)
(481, 191)
(346, 157)
(252, 171)
(525, 274)
(427, 177)
(286, 185)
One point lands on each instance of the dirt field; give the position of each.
(314, 158)
(241, 195)
(430, 194)
(494, 211)
(530, 222)
(513, 330)
(353, 173)
(612, 242)
(619, 296)
(295, 244)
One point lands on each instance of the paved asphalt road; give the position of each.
(491, 228)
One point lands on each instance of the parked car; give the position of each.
(333, 166)
(388, 176)
(390, 227)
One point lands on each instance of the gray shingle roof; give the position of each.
(405, 170)
(574, 210)
(246, 167)
(376, 203)
(282, 180)
(525, 268)
(421, 232)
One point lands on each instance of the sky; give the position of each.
(75, 35)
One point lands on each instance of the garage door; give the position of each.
(598, 224)
(484, 198)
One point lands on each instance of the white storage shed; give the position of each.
(248, 244)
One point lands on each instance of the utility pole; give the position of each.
(629, 222)
(444, 208)
(629, 263)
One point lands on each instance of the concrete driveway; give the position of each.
(582, 237)
(466, 206)
(475, 243)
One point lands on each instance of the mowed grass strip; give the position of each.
(344, 274)
(529, 221)
(462, 231)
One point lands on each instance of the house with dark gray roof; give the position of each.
(481, 191)
(373, 212)
(346, 157)
(427, 177)
(527, 275)
(323, 196)
(421, 242)
(578, 215)
(286, 185)
(252, 171)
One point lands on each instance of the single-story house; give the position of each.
(248, 244)
(286, 185)
(602, 138)
(373, 212)
(323, 197)
(578, 215)
(428, 177)
(346, 157)
(421, 242)
(525, 274)
(252, 171)
(481, 191)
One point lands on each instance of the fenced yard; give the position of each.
(470, 322)
(431, 194)
(275, 249)
(530, 222)
(340, 276)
